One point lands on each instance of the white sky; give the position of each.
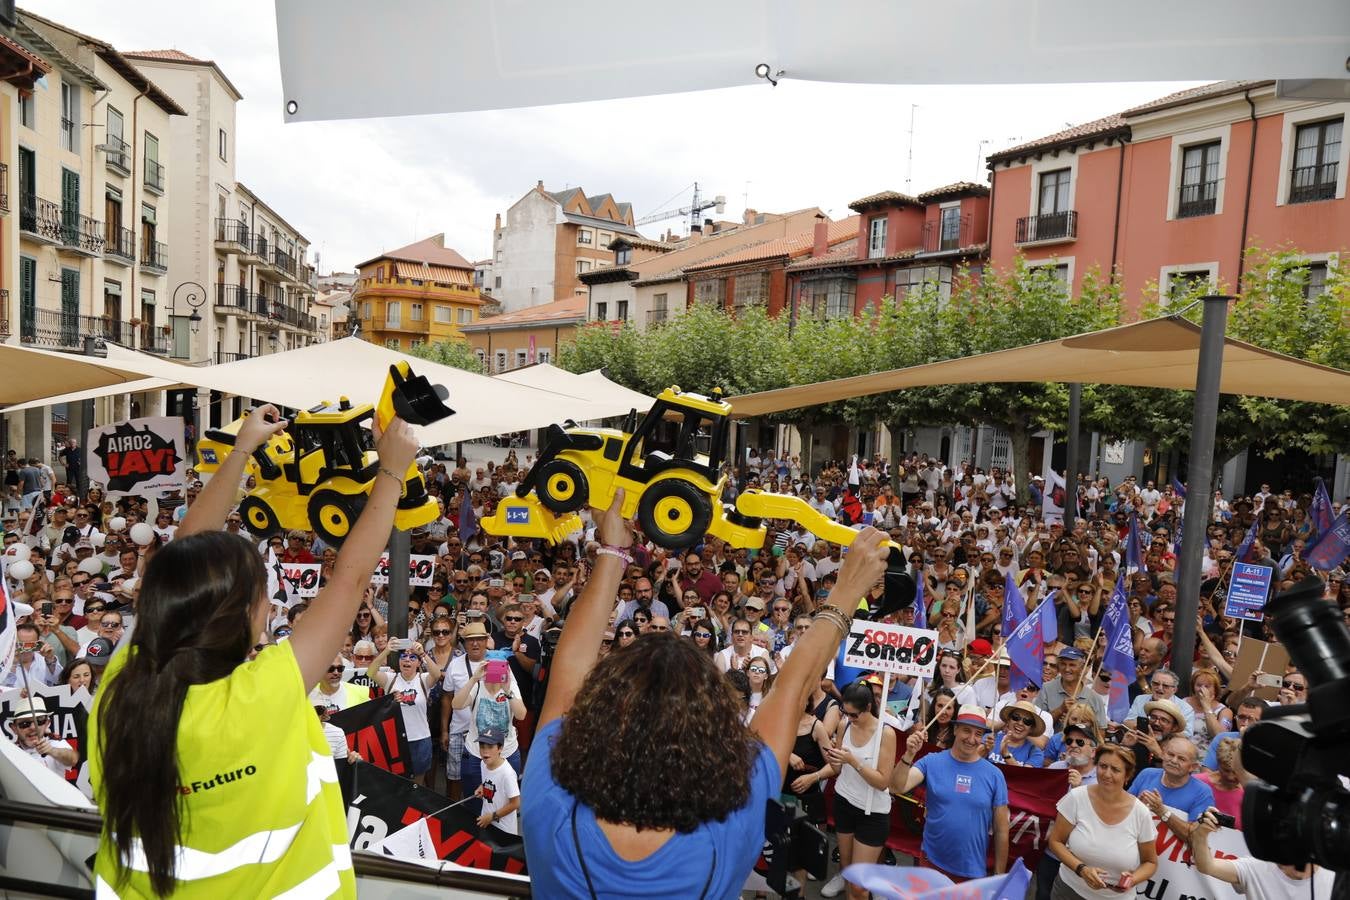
(357, 188)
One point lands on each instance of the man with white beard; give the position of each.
(1080, 746)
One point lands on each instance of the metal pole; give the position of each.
(1200, 482)
(400, 546)
(1073, 463)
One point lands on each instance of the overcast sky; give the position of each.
(357, 188)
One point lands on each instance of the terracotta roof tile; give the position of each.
(175, 55)
(882, 198)
(956, 188)
(429, 250)
(793, 245)
(1096, 128)
(1216, 89)
(566, 308)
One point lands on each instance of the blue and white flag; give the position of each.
(1178, 488)
(1134, 546)
(920, 604)
(468, 522)
(1246, 546)
(1026, 647)
(1332, 547)
(914, 883)
(1119, 633)
(1014, 604)
(1321, 513)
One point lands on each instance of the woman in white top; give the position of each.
(411, 686)
(862, 800)
(1103, 836)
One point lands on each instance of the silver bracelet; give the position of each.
(384, 471)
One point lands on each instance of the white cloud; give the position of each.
(356, 188)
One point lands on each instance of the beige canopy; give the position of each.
(355, 368)
(26, 373)
(1155, 353)
(593, 386)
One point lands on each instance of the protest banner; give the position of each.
(303, 578)
(1247, 591)
(892, 649)
(420, 570)
(146, 456)
(375, 730)
(1255, 655)
(69, 721)
(381, 804)
(1177, 876)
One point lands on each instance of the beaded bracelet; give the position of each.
(617, 552)
(835, 617)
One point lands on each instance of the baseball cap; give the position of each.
(492, 736)
(1072, 653)
(754, 603)
(1092, 738)
(99, 651)
(84, 544)
(981, 646)
(519, 554)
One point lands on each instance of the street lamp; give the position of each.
(194, 296)
(195, 321)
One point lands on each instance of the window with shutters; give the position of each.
(70, 117)
(70, 307)
(27, 299)
(876, 237)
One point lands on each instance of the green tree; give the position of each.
(456, 353)
(600, 346)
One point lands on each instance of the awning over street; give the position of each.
(593, 386)
(26, 373)
(1156, 353)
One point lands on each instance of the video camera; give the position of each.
(1300, 812)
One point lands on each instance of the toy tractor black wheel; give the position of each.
(674, 514)
(562, 486)
(259, 518)
(332, 515)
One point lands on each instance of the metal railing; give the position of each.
(241, 299)
(261, 246)
(233, 231)
(224, 357)
(155, 254)
(80, 232)
(117, 331)
(4, 313)
(154, 340)
(121, 242)
(40, 217)
(936, 239)
(295, 318)
(68, 141)
(1055, 226)
(57, 328)
(283, 261)
(1311, 183)
(154, 176)
(117, 153)
(1198, 199)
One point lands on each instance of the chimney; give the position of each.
(539, 184)
(497, 226)
(821, 245)
(695, 233)
(709, 228)
(749, 216)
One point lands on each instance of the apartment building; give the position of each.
(527, 336)
(419, 294)
(1174, 191)
(548, 240)
(242, 282)
(90, 261)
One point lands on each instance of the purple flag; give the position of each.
(1134, 549)
(1026, 646)
(1246, 546)
(1014, 604)
(1119, 633)
(920, 604)
(1178, 488)
(468, 522)
(1050, 624)
(1333, 546)
(1320, 513)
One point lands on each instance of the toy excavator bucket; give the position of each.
(525, 517)
(412, 398)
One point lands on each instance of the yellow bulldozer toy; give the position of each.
(317, 474)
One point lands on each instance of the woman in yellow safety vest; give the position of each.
(211, 770)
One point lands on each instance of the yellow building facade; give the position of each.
(419, 294)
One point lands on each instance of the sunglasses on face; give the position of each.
(1021, 720)
(1294, 686)
(110, 623)
(1075, 742)
(512, 619)
(660, 628)
(32, 722)
(625, 633)
(282, 632)
(740, 631)
(702, 634)
(363, 656)
(441, 632)
(335, 670)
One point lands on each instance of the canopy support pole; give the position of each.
(400, 546)
(1074, 460)
(1199, 481)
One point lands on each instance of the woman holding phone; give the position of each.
(193, 804)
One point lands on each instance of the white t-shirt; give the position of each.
(457, 674)
(51, 762)
(499, 786)
(1114, 848)
(1261, 880)
(412, 699)
(337, 740)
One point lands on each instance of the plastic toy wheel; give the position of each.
(562, 486)
(259, 518)
(674, 513)
(332, 515)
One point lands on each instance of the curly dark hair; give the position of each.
(662, 701)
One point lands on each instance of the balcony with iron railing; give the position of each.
(1199, 199)
(40, 219)
(4, 314)
(154, 176)
(120, 245)
(1309, 184)
(1047, 228)
(283, 261)
(81, 234)
(223, 356)
(293, 317)
(153, 339)
(117, 331)
(261, 246)
(233, 236)
(155, 256)
(235, 299)
(939, 239)
(118, 154)
(57, 328)
(69, 140)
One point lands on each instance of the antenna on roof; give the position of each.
(909, 165)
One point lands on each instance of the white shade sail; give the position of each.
(540, 52)
(593, 386)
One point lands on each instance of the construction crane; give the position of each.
(693, 210)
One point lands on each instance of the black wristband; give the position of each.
(1078, 869)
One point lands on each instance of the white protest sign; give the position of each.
(420, 570)
(303, 578)
(146, 456)
(880, 647)
(1177, 877)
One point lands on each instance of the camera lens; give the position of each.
(1307, 821)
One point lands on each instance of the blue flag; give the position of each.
(1176, 539)
(1050, 624)
(1333, 546)
(913, 883)
(1119, 633)
(1178, 488)
(1134, 550)
(1245, 547)
(468, 522)
(1026, 646)
(1320, 513)
(1014, 604)
(920, 605)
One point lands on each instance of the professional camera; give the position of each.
(1300, 813)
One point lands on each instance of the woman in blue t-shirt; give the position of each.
(1012, 746)
(688, 821)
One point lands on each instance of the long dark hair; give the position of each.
(193, 627)
(652, 702)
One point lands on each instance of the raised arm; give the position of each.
(319, 634)
(579, 646)
(214, 503)
(776, 719)
(1205, 860)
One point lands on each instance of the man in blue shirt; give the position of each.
(1171, 793)
(966, 794)
(1248, 711)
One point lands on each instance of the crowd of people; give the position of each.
(486, 642)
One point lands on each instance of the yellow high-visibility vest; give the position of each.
(263, 815)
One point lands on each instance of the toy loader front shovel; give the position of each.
(525, 517)
(412, 398)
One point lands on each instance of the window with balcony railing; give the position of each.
(118, 153)
(1199, 181)
(949, 237)
(1317, 150)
